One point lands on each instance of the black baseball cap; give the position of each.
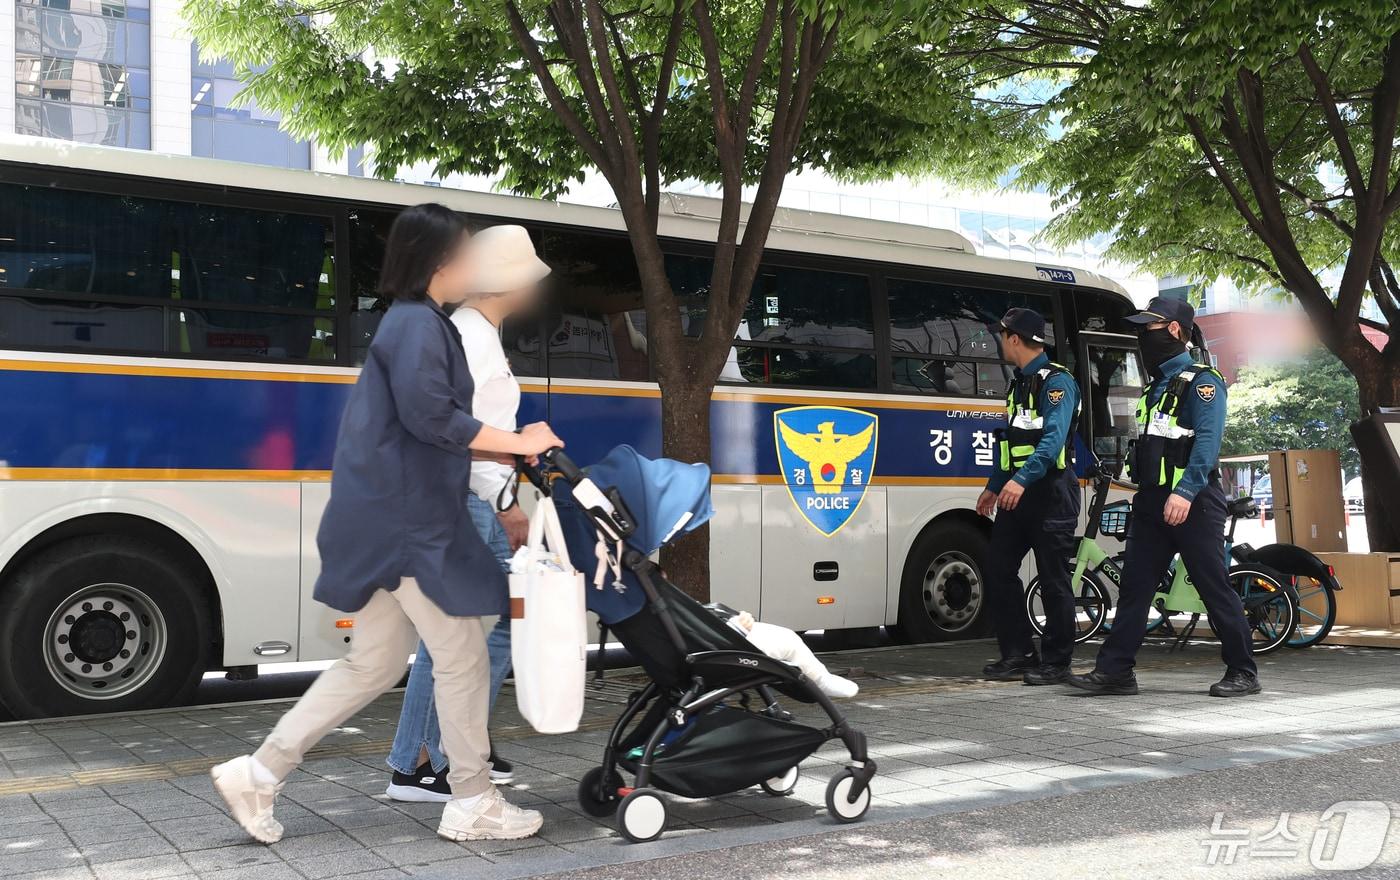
(1167, 309)
(1025, 322)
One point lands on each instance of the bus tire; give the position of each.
(942, 593)
(101, 623)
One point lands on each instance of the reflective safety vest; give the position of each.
(1026, 423)
(1163, 445)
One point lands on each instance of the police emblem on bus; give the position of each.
(1205, 392)
(827, 457)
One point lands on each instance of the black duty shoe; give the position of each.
(502, 771)
(1096, 684)
(1010, 668)
(1236, 684)
(423, 786)
(1046, 674)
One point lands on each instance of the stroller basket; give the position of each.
(705, 760)
(1113, 522)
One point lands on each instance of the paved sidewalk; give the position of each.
(128, 797)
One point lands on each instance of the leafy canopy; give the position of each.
(1304, 403)
(445, 82)
(1181, 117)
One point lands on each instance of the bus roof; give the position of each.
(683, 216)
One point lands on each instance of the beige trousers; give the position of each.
(384, 638)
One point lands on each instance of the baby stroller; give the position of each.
(708, 722)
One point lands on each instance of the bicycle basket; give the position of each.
(1113, 522)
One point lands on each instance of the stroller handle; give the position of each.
(556, 459)
(551, 459)
(606, 506)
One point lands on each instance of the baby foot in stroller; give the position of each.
(837, 686)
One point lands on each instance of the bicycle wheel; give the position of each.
(1317, 611)
(1269, 607)
(1090, 607)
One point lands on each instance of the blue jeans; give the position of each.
(418, 721)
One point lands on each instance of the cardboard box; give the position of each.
(1370, 585)
(1308, 509)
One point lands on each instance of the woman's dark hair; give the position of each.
(421, 241)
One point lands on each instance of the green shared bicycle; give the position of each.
(1270, 601)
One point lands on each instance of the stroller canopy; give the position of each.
(667, 498)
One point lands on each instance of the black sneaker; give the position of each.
(1098, 685)
(502, 771)
(423, 786)
(1236, 684)
(1046, 674)
(1010, 668)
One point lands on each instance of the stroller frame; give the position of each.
(713, 676)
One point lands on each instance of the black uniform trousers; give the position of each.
(1045, 523)
(1151, 545)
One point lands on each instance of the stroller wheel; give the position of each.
(642, 815)
(588, 794)
(838, 797)
(782, 786)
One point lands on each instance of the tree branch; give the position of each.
(557, 102)
(651, 128)
(567, 19)
(1333, 117)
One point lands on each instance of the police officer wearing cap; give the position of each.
(1037, 492)
(1179, 507)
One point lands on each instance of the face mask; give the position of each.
(1159, 346)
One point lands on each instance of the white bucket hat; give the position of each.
(505, 260)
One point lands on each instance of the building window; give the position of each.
(222, 128)
(83, 71)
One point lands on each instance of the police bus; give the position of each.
(178, 336)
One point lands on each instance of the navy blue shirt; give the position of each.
(1203, 410)
(1058, 415)
(401, 472)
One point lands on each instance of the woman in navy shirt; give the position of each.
(398, 547)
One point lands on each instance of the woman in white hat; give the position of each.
(506, 281)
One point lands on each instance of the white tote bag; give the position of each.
(548, 627)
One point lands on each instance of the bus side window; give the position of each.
(944, 337)
(595, 327)
(801, 327)
(87, 271)
(369, 230)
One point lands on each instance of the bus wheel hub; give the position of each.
(952, 591)
(104, 641)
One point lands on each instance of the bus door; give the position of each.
(1115, 380)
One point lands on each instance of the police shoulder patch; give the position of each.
(1206, 392)
(1056, 395)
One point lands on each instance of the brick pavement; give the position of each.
(117, 797)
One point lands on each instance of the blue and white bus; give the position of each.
(178, 336)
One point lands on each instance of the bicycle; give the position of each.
(1269, 599)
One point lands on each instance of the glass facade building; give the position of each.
(224, 128)
(83, 70)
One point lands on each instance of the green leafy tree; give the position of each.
(1306, 403)
(644, 92)
(1252, 140)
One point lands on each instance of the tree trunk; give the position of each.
(1379, 386)
(685, 436)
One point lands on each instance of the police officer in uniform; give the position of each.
(1179, 507)
(1038, 493)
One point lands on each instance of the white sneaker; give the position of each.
(248, 800)
(492, 817)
